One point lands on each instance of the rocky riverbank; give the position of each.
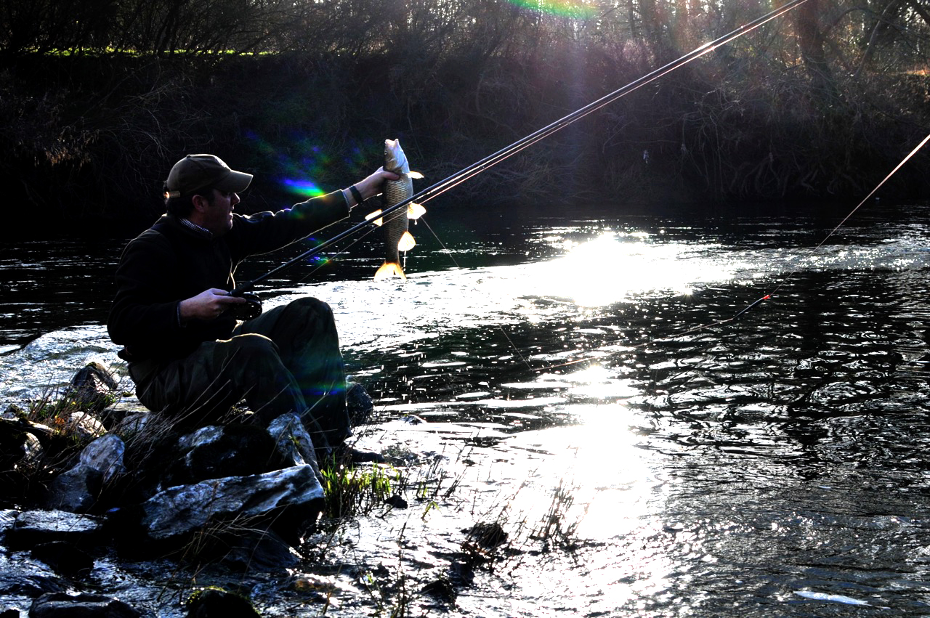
(114, 516)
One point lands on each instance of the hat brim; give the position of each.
(234, 181)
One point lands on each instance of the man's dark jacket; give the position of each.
(171, 262)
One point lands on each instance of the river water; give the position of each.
(582, 386)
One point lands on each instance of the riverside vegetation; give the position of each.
(44, 438)
(97, 99)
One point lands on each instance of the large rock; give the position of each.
(91, 388)
(293, 442)
(216, 451)
(287, 501)
(189, 508)
(34, 527)
(83, 605)
(221, 484)
(78, 489)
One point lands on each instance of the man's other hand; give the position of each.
(208, 305)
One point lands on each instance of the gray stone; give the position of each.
(115, 416)
(215, 452)
(205, 435)
(32, 449)
(7, 518)
(78, 489)
(85, 426)
(106, 455)
(74, 490)
(294, 442)
(20, 575)
(91, 388)
(180, 511)
(34, 527)
(260, 550)
(83, 605)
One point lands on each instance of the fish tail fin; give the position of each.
(388, 270)
(406, 242)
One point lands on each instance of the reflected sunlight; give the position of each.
(609, 269)
(598, 461)
(597, 488)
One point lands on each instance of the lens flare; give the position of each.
(304, 188)
(302, 164)
(576, 9)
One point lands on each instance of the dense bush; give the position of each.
(98, 99)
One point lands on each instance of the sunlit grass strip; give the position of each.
(562, 8)
(352, 491)
(113, 51)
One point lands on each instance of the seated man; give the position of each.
(188, 354)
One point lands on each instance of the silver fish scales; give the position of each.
(396, 236)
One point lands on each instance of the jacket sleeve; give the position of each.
(144, 312)
(267, 231)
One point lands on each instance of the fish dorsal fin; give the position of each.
(415, 211)
(406, 242)
(372, 215)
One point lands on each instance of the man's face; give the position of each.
(217, 216)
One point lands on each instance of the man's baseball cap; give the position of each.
(199, 171)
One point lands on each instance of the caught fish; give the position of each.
(396, 236)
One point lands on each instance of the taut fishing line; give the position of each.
(769, 295)
(785, 278)
(476, 168)
(840, 224)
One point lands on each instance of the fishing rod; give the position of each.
(913, 152)
(784, 278)
(466, 173)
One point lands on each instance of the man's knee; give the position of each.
(312, 306)
(251, 348)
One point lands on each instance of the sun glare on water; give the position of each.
(613, 268)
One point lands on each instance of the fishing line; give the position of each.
(499, 327)
(836, 228)
(484, 164)
(786, 277)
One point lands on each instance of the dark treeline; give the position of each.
(99, 97)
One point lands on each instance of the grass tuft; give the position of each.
(351, 490)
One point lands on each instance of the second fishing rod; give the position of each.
(480, 166)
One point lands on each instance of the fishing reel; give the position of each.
(251, 308)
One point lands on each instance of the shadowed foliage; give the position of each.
(99, 98)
